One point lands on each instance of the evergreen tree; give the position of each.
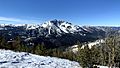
(95, 55)
(2, 42)
(85, 57)
(16, 44)
(111, 44)
(39, 49)
(79, 44)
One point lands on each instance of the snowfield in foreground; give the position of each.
(10, 59)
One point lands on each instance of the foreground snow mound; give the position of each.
(10, 59)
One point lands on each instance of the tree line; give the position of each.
(107, 53)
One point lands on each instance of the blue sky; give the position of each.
(81, 12)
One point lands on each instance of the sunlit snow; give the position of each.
(10, 59)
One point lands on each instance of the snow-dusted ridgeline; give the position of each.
(58, 26)
(10, 59)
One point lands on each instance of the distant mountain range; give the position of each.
(54, 33)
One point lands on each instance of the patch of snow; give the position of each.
(32, 26)
(102, 66)
(10, 59)
(74, 48)
(97, 42)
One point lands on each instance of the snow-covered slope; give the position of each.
(97, 42)
(74, 48)
(102, 66)
(10, 59)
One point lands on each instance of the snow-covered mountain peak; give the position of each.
(51, 23)
(60, 26)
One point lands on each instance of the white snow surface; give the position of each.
(10, 59)
(102, 66)
(97, 42)
(60, 26)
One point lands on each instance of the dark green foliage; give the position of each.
(24, 48)
(38, 49)
(2, 42)
(85, 57)
(104, 54)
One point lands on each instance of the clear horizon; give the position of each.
(78, 12)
